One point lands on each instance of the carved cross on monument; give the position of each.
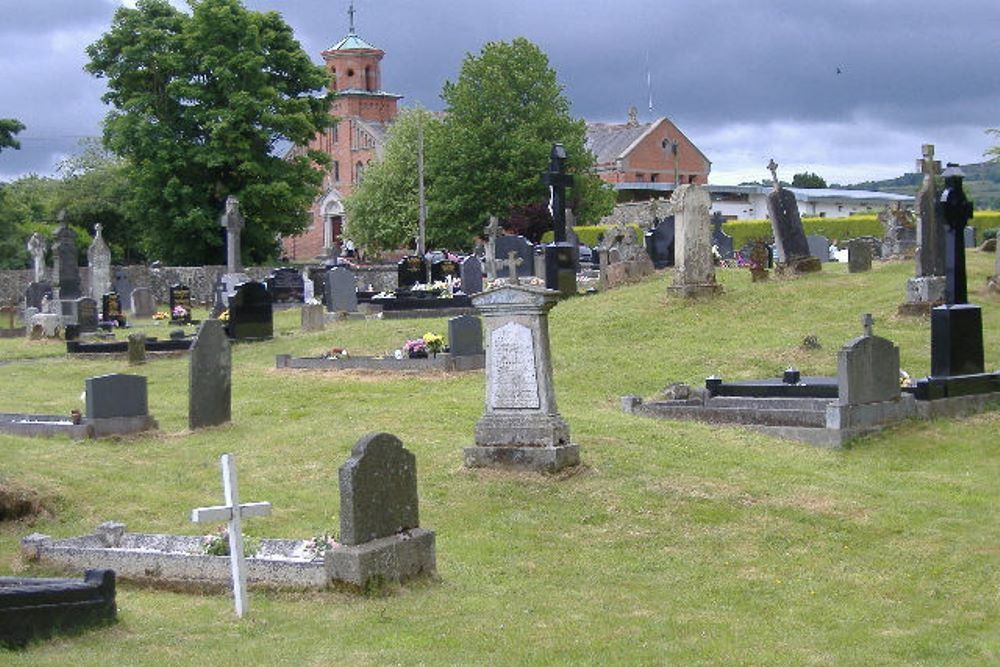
(233, 513)
(232, 220)
(492, 231)
(772, 167)
(867, 324)
(36, 247)
(512, 262)
(558, 180)
(927, 165)
(956, 210)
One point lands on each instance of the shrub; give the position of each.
(588, 234)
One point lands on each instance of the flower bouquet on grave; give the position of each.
(224, 316)
(217, 543)
(161, 315)
(180, 314)
(415, 349)
(434, 343)
(335, 353)
(319, 545)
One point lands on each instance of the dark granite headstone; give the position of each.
(116, 395)
(524, 249)
(111, 309)
(471, 272)
(123, 287)
(819, 247)
(35, 292)
(286, 285)
(341, 291)
(251, 315)
(660, 243)
(317, 274)
(142, 302)
(465, 335)
(789, 235)
(720, 239)
(180, 303)
(86, 314)
(210, 377)
(378, 490)
(410, 270)
(442, 268)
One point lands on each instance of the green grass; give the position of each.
(677, 543)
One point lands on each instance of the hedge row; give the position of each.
(588, 234)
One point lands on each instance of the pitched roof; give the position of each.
(353, 43)
(608, 141)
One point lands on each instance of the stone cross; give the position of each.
(512, 262)
(232, 220)
(956, 210)
(867, 324)
(558, 180)
(927, 165)
(492, 231)
(772, 167)
(930, 237)
(36, 246)
(233, 513)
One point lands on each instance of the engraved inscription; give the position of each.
(513, 384)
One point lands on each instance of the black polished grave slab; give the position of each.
(251, 315)
(32, 608)
(956, 340)
(804, 387)
(286, 286)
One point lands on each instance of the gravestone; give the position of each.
(694, 274)
(465, 336)
(378, 490)
(859, 256)
(67, 270)
(525, 251)
(341, 291)
(660, 242)
(142, 302)
(521, 427)
(867, 369)
(722, 241)
(927, 287)
(409, 271)
(36, 248)
(251, 315)
(492, 232)
(123, 288)
(900, 237)
(970, 237)
(210, 377)
(116, 395)
(35, 293)
(789, 235)
(471, 273)
(180, 303)
(232, 221)
(313, 317)
(308, 289)
(87, 316)
(819, 247)
(317, 274)
(442, 268)
(136, 348)
(99, 262)
(224, 290)
(111, 309)
(561, 256)
(286, 286)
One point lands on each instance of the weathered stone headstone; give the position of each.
(471, 272)
(868, 369)
(694, 274)
(136, 348)
(442, 268)
(409, 271)
(286, 285)
(308, 289)
(789, 235)
(142, 302)
(859, 256)
(492, 232)
(35, 292)
(210, 377)
(116, 395)
(970, 237)
(313, 317)
(251, 315)
(900, 237)
(465, 335)
(180, 303)
(36, 248)
(225, 289)
(86, 314)
(927, 288)
(341, 291)
(521, 427)
(232, 221)
(123, 288)
(525, 252)
(819, 247)
(99, 262)
(378, 490)
(67, 270)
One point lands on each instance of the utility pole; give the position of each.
(422, 215)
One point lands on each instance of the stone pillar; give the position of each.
(694, 274)
(99, 262)
(927, 288)
(521, 428)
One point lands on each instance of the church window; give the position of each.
(336, 171)
(359, 172)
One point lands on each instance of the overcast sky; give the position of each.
(745, 80)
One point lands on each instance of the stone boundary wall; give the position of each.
(640, 213)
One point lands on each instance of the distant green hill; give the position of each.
(982, 184)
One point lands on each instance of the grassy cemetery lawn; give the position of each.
(675, 543)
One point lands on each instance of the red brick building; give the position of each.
(364, 111)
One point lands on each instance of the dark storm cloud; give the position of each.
(744, 79)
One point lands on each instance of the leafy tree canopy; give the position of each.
(807, 179)
(8, 128)
(200, 103)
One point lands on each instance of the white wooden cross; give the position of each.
(233, 513)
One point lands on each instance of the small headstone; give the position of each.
(859, 256)
(116, 395)
(471, 272)
(99, 262)
(225, 289)
(313, 317)
(35, 293)
(123, 288)
(251, 315)
(210, 377)
(868, 369)
(286, 285)
(317, 274)
(970, 237)
(660, 243)
(111, 309)
(341, 291)
(525, 252)
(86, 314)
(465, 335)
(722, 241)
(819, 247)
(308, 289)
(142, 302)
(378, 490)
(409, 271)
(180, 303)
(442, 268)
(136, 348)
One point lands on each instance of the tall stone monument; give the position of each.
(99, 263)
(560, 269)
(694, 274)
(492, 232)
(927, 288)
(521, 428)
(789, 235)
(36, 248)
(232, 221)
(67, 271)
(210, 377)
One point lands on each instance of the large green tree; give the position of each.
(808, 180)
(8, 128)
(200, 103)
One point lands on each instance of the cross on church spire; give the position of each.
(350, 16)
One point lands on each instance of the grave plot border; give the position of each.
(442, 362)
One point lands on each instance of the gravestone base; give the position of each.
(521, 430)
(956, 340)
(392, 559)
(798, 265)
(104, 427)
(922, 294)
(696, 291)
(513, 457)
